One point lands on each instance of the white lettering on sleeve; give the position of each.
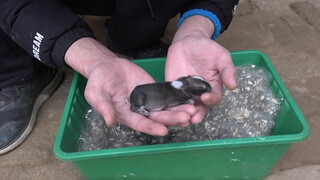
(36, 45)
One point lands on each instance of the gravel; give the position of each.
(248, 111)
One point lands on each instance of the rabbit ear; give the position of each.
(177, 84)
(198, 77)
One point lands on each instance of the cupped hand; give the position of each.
(111, 82)
(199, 55)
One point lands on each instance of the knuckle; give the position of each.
(184, 117)
(219, 100)
(90, 93)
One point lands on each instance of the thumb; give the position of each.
(103, 104)
(227, 71)
(108, 111)
(228, 76)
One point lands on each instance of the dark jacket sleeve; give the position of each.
(43, 28)
(222, 9)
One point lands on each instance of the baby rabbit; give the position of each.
(156, 96)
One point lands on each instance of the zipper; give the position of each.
(151, 10)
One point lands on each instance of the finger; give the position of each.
(227, 71)
(214, 97)
(108, 112)
(202, 111)
(188, 108)
(103, 104)
(143, 124)
(211, 99)
(228, 76)
(185, 124)
(170, 118)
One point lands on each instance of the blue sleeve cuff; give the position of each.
(206, 13)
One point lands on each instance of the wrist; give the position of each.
(196, 26)
(86, 53)
(205, 14)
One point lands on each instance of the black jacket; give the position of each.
(47, 28)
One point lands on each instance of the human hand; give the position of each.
(110, 82)
(107, 89)
(197, 54)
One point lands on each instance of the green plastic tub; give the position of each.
(241, 158)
